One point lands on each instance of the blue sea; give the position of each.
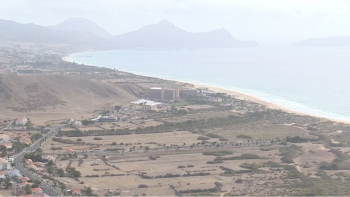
(312, 80)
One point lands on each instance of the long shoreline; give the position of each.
(234, 93)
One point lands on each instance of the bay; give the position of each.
(312, 80)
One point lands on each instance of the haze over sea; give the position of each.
(313, 80)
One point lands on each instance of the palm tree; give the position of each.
(8, 182)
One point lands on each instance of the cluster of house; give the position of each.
(22, 182)
(38, 166)
(6, 139)
(8, 170)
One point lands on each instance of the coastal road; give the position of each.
(49, 190)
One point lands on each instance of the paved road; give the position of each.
(49, 190)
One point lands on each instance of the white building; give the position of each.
(77, 124)
(21, 121)
(14, 172)
(146, 105)
(5, 165)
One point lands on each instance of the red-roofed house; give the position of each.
(28, 161)
(37, 190)
(76, 191)
(24, 179)
(8, 145)
(21, 121)
(22, 185)
(70, 150)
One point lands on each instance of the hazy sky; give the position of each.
(265, 21)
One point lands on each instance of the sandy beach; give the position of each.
(236, 94)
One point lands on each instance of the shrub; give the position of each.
(142, 186)
(247, 137)
(212, 135)
(202, 138)
(218, 153)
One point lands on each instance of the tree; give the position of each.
(28, 189)
(76, 173)
(36, 184)
(63, 187)
(89, 191)
(15, 178)
(146, 148)
(50, 163)
(60, 172)
(39, 150)
(8, 182)
(118, 107)
(50, 170)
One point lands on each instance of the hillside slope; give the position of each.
(60, 96)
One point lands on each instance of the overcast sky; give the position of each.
(269, 22)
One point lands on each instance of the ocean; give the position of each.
(312, 80)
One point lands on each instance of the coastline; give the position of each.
(234, 93)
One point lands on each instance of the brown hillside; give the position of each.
(60, 96)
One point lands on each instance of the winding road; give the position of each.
(48, 189)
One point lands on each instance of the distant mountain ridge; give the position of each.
(167, 35)
(330, 41)
(30, 33)
(81, 25)
(84, 34)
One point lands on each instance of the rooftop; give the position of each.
(145, 102)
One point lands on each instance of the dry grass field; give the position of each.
(173, 154)
(211, 149)
(193, 162)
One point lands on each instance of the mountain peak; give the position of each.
(165, 22)
(79, 24)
